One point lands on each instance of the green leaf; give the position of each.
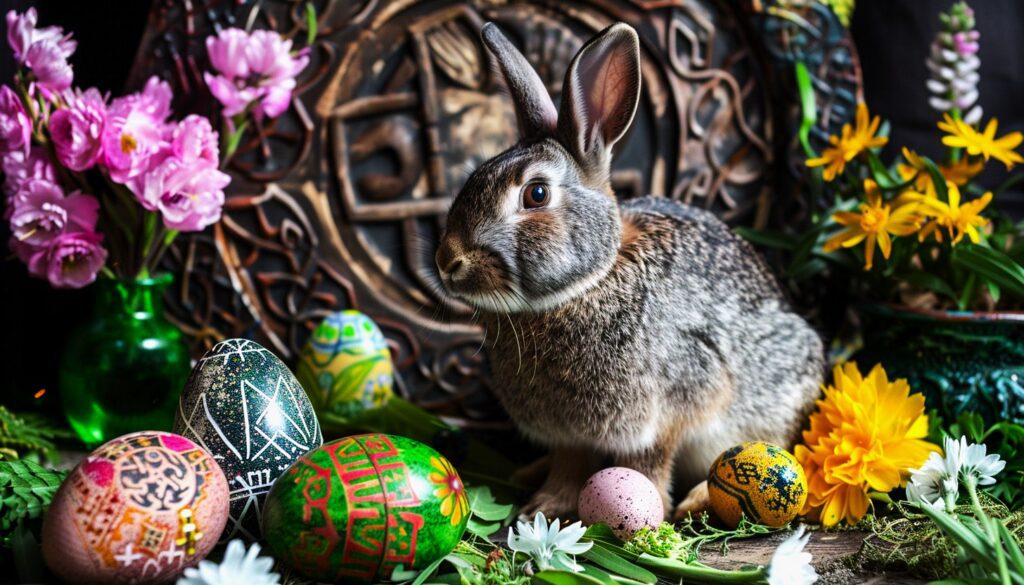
(234, 139)
(881, 174)
(482, 529)
(26, 489)
(767, 238)
(427, 572)
(808, 107)
(991, 265)
(937, 179)
(25, 434)
(310, 23)
(608, 559)
(564, 578)
(929, 281)
(484, 506)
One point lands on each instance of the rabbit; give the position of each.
(645, 333)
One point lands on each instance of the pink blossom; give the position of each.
(50, 67)
(71, 260)
(15, 125)
(966, 43)
(135, 130)
(194, 139)
(77, 129)
(22, 34)
(188, 194)
(44, 213)
(20, 168)
(257, 67)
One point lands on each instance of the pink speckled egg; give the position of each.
(139, 509)
(622, 498)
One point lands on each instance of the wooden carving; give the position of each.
(339, 203)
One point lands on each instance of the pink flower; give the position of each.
(15, 125)
(257, 67)
(50, 66)
(966, 42)
(188, 194)
(20, 168)
(194, 139)
(71, 260)
(44, 213)
(135, 130)
(77, 129)
(22, 34)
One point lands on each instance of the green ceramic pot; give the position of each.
(123, 370)
(961, 361)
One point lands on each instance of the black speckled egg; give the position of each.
(244, 406)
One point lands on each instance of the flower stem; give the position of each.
(701, 573)
(971, 481)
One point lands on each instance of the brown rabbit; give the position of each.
(643, 333)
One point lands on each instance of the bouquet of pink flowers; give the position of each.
(95, 185)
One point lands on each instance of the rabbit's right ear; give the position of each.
(600, 95)
(534, 109)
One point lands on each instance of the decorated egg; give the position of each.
(356, 508)
(345, 366)
(245, 407)
(138, 509)
(759, 480)
(624, 499)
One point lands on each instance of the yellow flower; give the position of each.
(875, 222)
(866, 434)
(957, 219)
(962, 135)
(962, 171)
(853, 141)
(450, 490)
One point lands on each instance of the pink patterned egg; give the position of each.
(139, 509)
(622, 498)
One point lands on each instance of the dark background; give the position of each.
(892, 36)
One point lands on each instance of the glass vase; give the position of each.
(124, 369)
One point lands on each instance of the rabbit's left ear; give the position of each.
(600, 93)
(534, 109)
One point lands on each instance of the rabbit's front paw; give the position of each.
(694, 503)
(553, 501)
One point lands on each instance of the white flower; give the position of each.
(547, 545)
(936, 482)
(975, 461)
(238, 568)
(791, 565)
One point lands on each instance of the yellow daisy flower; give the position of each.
(852, 141)
(450, 490)
(962, 135)
(957, 219)
(875, 223)
(962, 171)
(866, 435)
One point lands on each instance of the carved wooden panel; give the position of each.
(339, 203)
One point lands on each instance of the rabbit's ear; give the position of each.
(534, 109)
(600, 93)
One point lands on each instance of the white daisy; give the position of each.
(239, 567)
(790, 564)
(937, 481)
(549, 547)
(975, 461)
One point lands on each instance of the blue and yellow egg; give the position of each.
(762, 481)
(346, 367)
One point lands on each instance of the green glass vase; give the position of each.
(961, 361)
(124, 369)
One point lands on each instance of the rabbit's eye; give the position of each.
(536, 195)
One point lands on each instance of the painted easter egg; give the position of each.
(345, 366)
(760, 480)
(245, 407)
(624, 499)
(138, 509)
(358, 507)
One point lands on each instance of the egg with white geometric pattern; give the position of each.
(244, 406)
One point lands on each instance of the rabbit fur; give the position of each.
(644, 334)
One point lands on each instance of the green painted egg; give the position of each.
(345, 366)
(762, 481)
(354, 509)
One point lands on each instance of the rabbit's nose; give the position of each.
(453, 267)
